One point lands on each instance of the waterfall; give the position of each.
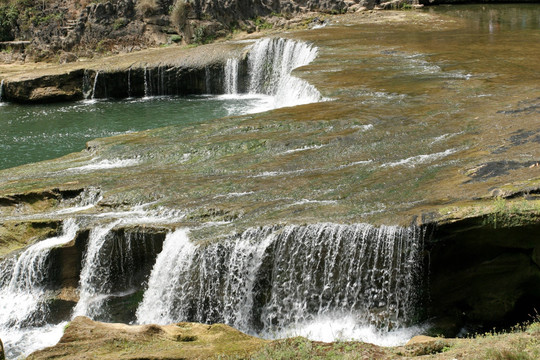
(147, 91)
(231, 76)
(110, 269)
(1, 89)
(270, 63)
(95, 85)
(95, 272)
(86, 85)
(269, 280)
(23, 292)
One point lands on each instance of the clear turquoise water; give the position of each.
(40, 132)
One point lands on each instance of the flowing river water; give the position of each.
(411, 100)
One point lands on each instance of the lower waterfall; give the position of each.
(272, 281)
(23, 295)
(110, 269)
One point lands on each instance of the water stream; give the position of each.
(24, 296)
(1, 89)
(275, 281)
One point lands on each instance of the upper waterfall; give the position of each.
(270, 63)
(274, 280)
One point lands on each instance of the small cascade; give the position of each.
(1, 89)
(23, 291)
(86, 85)
(172, 263)
(87, 199)
(271, 62)
(231, 76)
(270, 280)
(112, 269)
(95, 85)
(147, 91)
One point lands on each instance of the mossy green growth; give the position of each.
(512, 213)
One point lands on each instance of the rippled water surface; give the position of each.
(40, 132)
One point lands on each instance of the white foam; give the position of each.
(420, 159)
(24, 341)
(105, 164)
(304, 148)
(307, 201)
(345, 328)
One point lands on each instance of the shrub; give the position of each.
(147, 7)
(120, 23)
(8, 20)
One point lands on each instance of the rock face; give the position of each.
(170, 71)
(127, 25)
(481, 276)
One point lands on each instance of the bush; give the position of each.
(8, 21)
(120, 23)
(179, 14)
(147, 7)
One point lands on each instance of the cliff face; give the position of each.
(86, 28)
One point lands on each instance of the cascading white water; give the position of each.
(110, 269)
(23, 295)
(95, 85)
(147, 91)
(270, 281)
(1, 89)
(270, 64)
(231, 76)
(93, 284)
(86, 85)
(173, 262)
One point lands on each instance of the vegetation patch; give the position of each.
(8, 20)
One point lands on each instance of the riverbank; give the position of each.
(84, 338)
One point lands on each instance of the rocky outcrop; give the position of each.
(170, 71)
(177, 341)
(56, 28)
(482, 276)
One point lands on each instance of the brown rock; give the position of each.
(418, 339)
(51, 92)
